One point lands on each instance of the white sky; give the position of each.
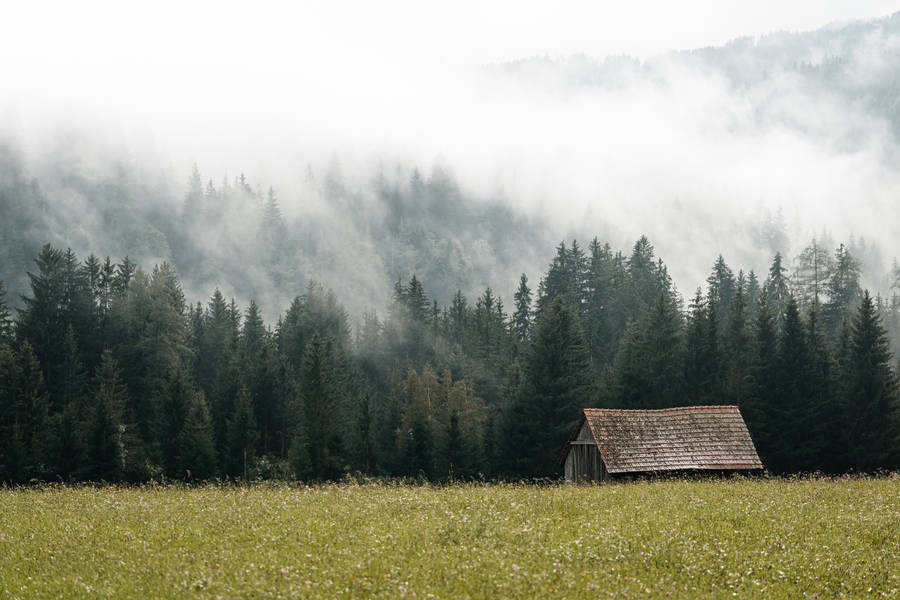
(71, 48)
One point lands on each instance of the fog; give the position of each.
(583, 121)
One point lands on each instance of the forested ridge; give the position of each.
(109, 373)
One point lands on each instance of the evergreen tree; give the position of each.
(107, 435)
(66, 446)
(29, 415)
(12, 446)
(558, 383)
(42, 320)
(721, 290)
(777, 289)
(298, 451)
(151, 343)
(320, 392)
(643, 277)
(73, 379)
(752, 293)
(243, 435)
(172, 403)
(827, 420)
(628, 388)
(737, 350)
(365, 429)
(664, 353)
(843, 289)
(760, 408)
(871, 393)
(702, 357)
(648, 370)
(597, 323)
(196, 449)
(559, 280)
(458, 319)
(214, 359)
(521, 320)
(837, 459)
(796, 442)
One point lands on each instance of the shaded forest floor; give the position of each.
(748, 538)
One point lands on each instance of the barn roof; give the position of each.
(684, 438)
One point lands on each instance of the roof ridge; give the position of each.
(671, 408)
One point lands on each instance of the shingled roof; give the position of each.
(684, 438)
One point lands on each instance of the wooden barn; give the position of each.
(608, 442)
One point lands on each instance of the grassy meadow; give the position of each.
(726, 538)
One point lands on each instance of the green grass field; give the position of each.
(727, 538)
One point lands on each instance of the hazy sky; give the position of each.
(168, 56)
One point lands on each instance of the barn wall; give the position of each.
(584, 464)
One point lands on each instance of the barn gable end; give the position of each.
(582, 459)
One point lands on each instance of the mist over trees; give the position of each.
(231, 234)
(109, 373)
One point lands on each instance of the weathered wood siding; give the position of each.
(583, 463)
(584, 434)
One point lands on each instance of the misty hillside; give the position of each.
(857, 63)
(232, 235)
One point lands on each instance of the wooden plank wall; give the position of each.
(583, 463)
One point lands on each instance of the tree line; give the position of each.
(108, 373)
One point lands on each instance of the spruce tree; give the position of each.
(737, 350)
(41, 322)
(643, 278)
(243, 435)
(827, 419)
(319, 389)
(796, 444)
(752, 292)
(843, 290)
(664, 353)
(196, 448)
(597, 322)
(521, 320)
(558, 383)
(871, 393)
(777, 289)
(66, 442)
(108, 437)
(648, 372)
(721, 290)
(703, 360)
(31, 412)
(761, 407)
(73, 379)
(838, 455)
(12, 448)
